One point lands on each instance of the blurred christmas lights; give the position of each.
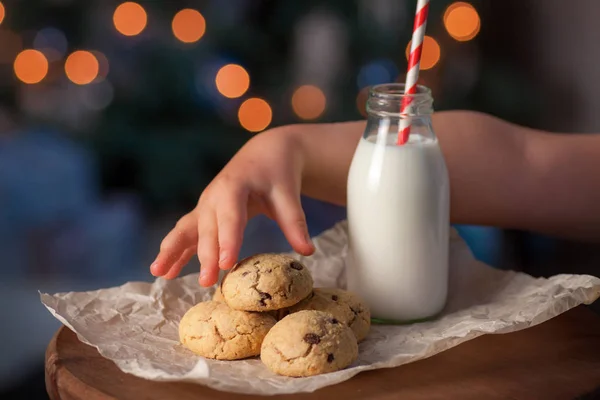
(52, 42)
(308, 102)
(98, 96)
(2, 12)
(232, 81)
(255, 114)
(188, 25)
(208, 95)
(430, 54)
(130, 18)
(81, 67)
(377, 72)
(462, 21)
(31, 66)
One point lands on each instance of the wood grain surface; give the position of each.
(559, 359)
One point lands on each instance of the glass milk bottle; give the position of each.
(398, 211)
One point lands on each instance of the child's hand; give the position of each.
(263, 177)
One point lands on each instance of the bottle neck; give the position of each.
(387, 101)
(386, 116)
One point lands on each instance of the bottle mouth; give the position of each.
(388, 99)
(395, 91)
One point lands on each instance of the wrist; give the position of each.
(285, 142)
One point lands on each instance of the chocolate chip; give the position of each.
(296, 265)
(269, 271)
(334, 321)
(245, 273)
(334, 298)
(264, 296)
(256, 262)
(330, 358)
(312, 338)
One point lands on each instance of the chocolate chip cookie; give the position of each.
(266, 282)
(213, 330)
(345, 306)
(309, 343)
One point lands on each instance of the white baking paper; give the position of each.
(136, 325)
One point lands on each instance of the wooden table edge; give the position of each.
(58, 376)
(62, 384)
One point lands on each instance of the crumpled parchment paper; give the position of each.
(136, 325)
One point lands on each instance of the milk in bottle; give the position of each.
(398, 212)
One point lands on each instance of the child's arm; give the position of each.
(500, 174)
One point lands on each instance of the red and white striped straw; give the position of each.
(414, 61)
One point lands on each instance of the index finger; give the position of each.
(232, 216)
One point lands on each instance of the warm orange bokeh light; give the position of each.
(308, 102)
(430, 54)
(130, 18)
(31, 66)
(188, 25)
(462, 21)
(232, 81)
(255, 114)
(2, 12)
(81, 67)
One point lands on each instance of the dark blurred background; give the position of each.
(115, 115)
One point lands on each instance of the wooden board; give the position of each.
(559, 359)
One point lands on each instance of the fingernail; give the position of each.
(153, 267)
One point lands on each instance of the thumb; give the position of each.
(287, 210)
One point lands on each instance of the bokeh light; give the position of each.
(208, 95)
(232, 81)
(52, 42)
(98, 96)
(430, 54)
(130, 18)
(308, 102)
(377, 72)
(2, 12)
(462, 21)
(188, 25)
(81, 67)
(255, 114)
(31, 66)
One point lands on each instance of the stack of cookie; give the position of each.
(267, 305)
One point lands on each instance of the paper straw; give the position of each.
(414, 61)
